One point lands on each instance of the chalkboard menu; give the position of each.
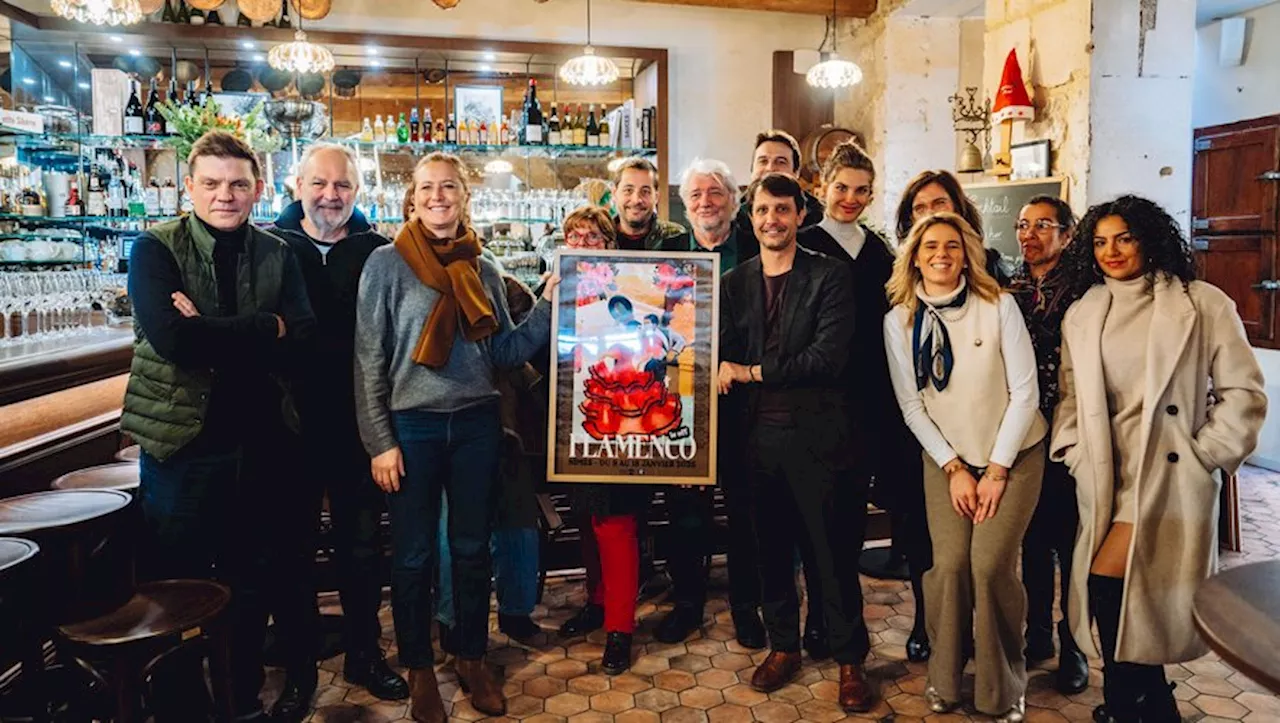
(1000, 203)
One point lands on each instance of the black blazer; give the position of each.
(818, 320)
(883, 440)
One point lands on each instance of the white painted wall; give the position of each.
(1250, 90)
(721, 60)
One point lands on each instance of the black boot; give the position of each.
(518, 627)
(918, 650)
(370, 671)
(1156, 704)
(617, 654)
(588, 619)
(1119, 692)
(294, 704)
(1073, 668)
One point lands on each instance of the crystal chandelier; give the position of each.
(833, 71)
(99, 12)
(301, 56)
(589, 68)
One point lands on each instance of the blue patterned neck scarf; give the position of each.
(930, 343)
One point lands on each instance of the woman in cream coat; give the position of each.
(1142, 352)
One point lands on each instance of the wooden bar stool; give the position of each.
(132, 453)
(160, 618)
(19, 603)
(123, 476)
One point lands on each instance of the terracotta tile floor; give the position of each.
(705, 679)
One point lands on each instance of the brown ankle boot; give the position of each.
(486, 692)
(425, 705)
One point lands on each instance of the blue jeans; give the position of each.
(515, 565)
(457, 452)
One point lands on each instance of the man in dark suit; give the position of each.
(787, 319)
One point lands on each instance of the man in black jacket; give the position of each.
(787, 318)
(332, 241)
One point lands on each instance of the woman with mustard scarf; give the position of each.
(432, 328)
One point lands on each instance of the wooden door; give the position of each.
(1242, 266)
(1236, 173)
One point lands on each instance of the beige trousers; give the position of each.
(973, 587)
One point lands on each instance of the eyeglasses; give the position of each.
(1041, 224)
(585, 238)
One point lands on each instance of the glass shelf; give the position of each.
(32, 262)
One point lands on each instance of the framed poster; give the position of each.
(1030, 159)
(481, 103)
(633, 359)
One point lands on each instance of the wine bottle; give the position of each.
(168, 198)
(402, 130)
(438, 135)
(168, 16)
(152, 120)
(593, 129)
(196, 17)
(134, 121)
(484, 133)
(183, 13)
(533, 117)
(553, 127)
(451, 133)
(213, 18)
(284, 21)
(604, 125)
(169, 128)
(97, 205)
(579, 128)
(414, 125)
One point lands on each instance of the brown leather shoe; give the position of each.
(425, 705)
(855, 691)
(486, 693)
(776, 671)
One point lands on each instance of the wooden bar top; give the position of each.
(35, 368)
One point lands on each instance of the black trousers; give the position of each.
(692, 523)
(1052, 532)
(801, 500)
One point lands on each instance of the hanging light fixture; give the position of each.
(301, 56)
(99, 12)
(833, 71)
(589, 68)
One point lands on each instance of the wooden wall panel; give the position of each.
(798, 108)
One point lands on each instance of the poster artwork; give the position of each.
(633, 383)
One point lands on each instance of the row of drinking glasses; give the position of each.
(542, 204)
(52, 304)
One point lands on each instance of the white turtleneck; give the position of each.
(851, 236)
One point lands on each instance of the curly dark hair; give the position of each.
(1163, 246)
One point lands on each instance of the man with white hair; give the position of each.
(710, 197)
(332, 240)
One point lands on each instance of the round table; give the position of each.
(1238, 614)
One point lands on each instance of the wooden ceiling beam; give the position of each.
(844, 8)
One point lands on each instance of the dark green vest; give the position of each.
(164, 404)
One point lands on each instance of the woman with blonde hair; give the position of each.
(964, 373)
(432, 327)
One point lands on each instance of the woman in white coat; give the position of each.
(1142, 353)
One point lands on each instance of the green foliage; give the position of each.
(191, 123)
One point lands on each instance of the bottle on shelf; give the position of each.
(484, 133)
(134, 115)
(73, 207)
(593, 129)
(115, 197)
(183, 13)
(438, 133)
(284, 21)
(193, 98)
(505, 134)
(566, 127)
(168, 16)
(208, 91)
(169, 128)
(151, 198)
(579, 128)
(379, 130)
(604, 125)
(152, 120)
(414, 125)
(196, 17)
(553, 127)
(402, 130)
(213, 18)
(32, 204)
(533, 117)
(451, 133)
(243, 21)
(97, 205)
(168, 198)
(474, 132)
(428, 127)
(366, 131)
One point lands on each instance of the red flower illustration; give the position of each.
(623, 400)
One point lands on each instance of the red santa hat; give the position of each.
(1012, 101)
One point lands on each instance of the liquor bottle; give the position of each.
(169, 128)
(473, 132)
(168, 198)
(484, 133)
(366, 131)
(152, 120)
(379, 130)
(151, 198)
(73, 200)
(137, 203)
(168, 16)
(593, 130)
(439, 135)
(579, 127)
(533, 117)
(284, 21)
(402, 130)
(415, 125)
(451, 133)
(505, 137)
(604, 125)
(183, 13)
(97, 198)
(196, 17)
(553, 127)
(115, 196)
(134, 122)
(193, 98)
(213, 18)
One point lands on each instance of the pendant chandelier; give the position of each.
(301, 55)
(589, 68)
(99, 12)
(833, 71)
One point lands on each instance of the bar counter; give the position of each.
(60, 403)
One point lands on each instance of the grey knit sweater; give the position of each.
(392, 308)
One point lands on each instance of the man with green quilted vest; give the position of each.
(219, 308)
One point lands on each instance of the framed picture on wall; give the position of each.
(481, 103)
(1030, 159)
(635, 342)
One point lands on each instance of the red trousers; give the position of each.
(619, 571)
